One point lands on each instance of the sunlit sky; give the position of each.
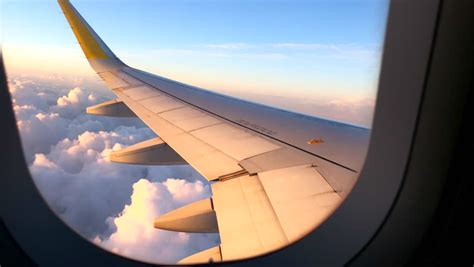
(317, 49)
(296, 45)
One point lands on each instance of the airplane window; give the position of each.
(174, 172)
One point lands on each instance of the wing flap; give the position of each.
(248, 226)
(206, 256)
(301, 198)
(261, 213)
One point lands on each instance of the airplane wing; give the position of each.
(275, 175)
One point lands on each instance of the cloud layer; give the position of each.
(135, 236)
(358, 111)
(113, 205)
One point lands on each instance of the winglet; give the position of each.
(91, 44)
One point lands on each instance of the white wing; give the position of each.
(275, 175)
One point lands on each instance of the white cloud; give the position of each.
(48, 112)
(182, 191)
(351, 52)
(42, 161)
(81, 185)
(228, 46)
(277, 51)
(134, 234)
(353, 110)
(67, 151)
(223, 50)
(47, 117)
(305, 46)
(74, 97)
(74, 102)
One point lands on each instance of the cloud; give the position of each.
(336, 51)
(67, 154)
(219, 51)
(265, 56)
(48, 112)
(134, 234)
(352, 110)
(81, 185)
(305, 46)
(228, 46)
(76, 96)
(278, 51)
(74, 102)
(91, 194)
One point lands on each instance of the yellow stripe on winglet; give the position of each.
(89, 44)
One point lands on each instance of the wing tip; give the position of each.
(91, 44)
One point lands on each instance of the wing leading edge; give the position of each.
(271, 182)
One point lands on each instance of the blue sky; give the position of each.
(318, 49)
(174, 23)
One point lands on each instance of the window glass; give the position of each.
(319, 58)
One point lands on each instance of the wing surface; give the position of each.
(275, 175)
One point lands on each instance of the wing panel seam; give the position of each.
(246, 127)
